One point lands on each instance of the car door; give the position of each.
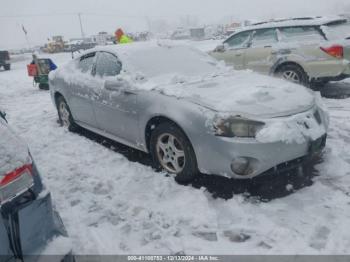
(116, 107)
(83, 90)
(261, 55)
(234, 49)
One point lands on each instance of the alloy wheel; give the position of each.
(170, 153)
(64, 114)
(291, 76)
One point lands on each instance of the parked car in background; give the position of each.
(189, 112)
(29, 225)
(5, 60)
(301, 50)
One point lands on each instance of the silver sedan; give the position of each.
(188, 111)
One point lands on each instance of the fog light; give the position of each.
(240, 166)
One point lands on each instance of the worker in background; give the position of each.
(121, 37)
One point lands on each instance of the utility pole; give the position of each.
(81, 26)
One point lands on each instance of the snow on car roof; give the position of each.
(156, 58)
(316, 21)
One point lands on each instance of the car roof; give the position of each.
(291, 22)
(136, 47)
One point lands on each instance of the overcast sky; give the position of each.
(45, 18)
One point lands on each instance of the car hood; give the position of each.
(13, 151)
(244, 93)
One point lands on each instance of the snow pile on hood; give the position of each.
(245, 94)
(13, 151)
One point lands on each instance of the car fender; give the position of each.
(190, 117)
(295, 59)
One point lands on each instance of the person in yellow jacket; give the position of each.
(121, 37)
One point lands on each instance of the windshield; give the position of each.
(338, 31)
(181, 60)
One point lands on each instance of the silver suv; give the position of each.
(302, 50)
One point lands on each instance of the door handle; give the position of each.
(239, 54)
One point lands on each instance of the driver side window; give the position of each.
(107, 65)
(239, 40)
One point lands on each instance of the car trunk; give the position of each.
(27, 219)
(28, 224)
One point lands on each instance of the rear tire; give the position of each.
(172, 151)
(293, 73)
(44, 86)
(7, 67)
(318, 84)
(65, 116)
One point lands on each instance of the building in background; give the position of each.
(103, 38)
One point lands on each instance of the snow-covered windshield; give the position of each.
(164, 60)
(338, 31)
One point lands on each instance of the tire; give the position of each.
(293, 73)
(7, 67)
(177, 150)
(318, 84)
(65, 116)
(44, 86)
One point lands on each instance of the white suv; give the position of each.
(302, 50)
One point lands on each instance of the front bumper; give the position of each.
(229, 156)
(264, 157)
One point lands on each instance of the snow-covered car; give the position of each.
(30, 228)
(302, 50)
(189, 111)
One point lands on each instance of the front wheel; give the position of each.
(7, 67)
(65, 116)
(172, 151)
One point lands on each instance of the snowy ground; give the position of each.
(112, 202)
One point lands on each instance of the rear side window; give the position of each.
(107, 65)
(239, 40)
(302, 34)
(264, 37)
(86, 62)
(337, 31)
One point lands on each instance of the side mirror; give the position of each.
(220, 48)
(115, 84)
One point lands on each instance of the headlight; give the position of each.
(237, 127)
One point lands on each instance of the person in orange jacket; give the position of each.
(121, 37)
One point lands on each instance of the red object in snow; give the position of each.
(118, 34)
(32, 70)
